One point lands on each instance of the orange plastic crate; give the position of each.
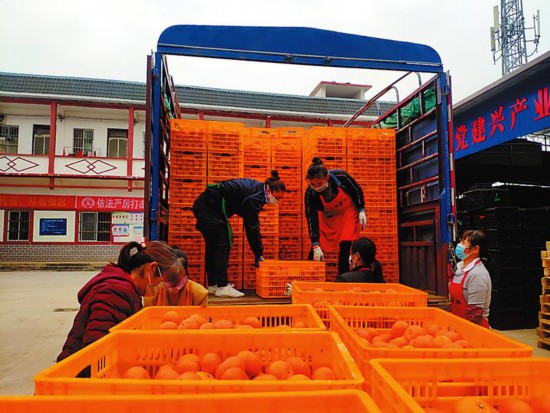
(273, 275)
(407, 386)
(271, 316)
(116, 352)
(334, 401)
(484, 342)
(184, 190)
(321, 294)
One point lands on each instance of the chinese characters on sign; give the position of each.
(36, 202)
(98, 203)
(500, 123)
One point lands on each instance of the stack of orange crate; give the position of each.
(286, 157)
(257, 165)
(225, 161)
(329, 144)
(188, 166)
(371, 162)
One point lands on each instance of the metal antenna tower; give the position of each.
(508, 40)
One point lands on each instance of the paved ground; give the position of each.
(37, 311)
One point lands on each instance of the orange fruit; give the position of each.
(191, 357)
(299, 365)
(253, 364)
(265, 377)
(431, 328)
(223, 324)
(283, 326)
(390, 291)
(280, 369)
(186, 364)
(210, 362)
(205, 376)
(513, 405)
(189, 324)
(234, 373)
(207, 326)
(471, 405)
(172, 316)
(451, 345)
(398, 329)
(541, 404)
(423, 341)
(413, 331)
(167, 372)
(441, 341)
(136, 372)
(323, 373)
(453, 335)
(300, 324)
(229, 362)
(168, 325)
(253, 322)
(463, 343)
(198, 317)
(189, 375)
(298, 377)
(399, 342)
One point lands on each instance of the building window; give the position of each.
(94, 226)
(117, 143)
(18, 225)
(41, 139)
(83, 142)
(9, 137)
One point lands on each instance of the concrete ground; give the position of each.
(36, 313)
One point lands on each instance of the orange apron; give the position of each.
(459, 304)
(339, 221)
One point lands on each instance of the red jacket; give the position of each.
(107, 299)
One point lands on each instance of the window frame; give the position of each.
(5, 132)
(101, 227)
(84, 147)
(9, 220)
(44, 136)
(118, 135)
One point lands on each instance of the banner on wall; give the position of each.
(127, 226)
(109, 203)
(17, 201)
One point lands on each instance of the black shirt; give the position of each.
(363, 274)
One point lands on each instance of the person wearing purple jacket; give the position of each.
(116, 292)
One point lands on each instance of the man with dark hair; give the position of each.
(363, 265)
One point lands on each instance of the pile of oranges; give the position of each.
(405, 335)
(505, 405)
(245, 365)
(173, 321)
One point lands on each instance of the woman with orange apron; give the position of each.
(335, 212)
(470, 288)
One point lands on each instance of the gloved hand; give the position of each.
(318, 254)
(363, 219)
(257, 261)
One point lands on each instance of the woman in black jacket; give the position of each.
(335, 212)
(364, 268)
(213, 208)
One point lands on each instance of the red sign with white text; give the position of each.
(18, 201)
(109, 203)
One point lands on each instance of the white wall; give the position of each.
(69, 215)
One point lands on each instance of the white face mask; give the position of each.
(320, 188)
(271, 200)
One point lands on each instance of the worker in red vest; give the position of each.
(335, 212)
(470, 287)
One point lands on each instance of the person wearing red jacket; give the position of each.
(115, 293)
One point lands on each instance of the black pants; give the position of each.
(213, 225)
(343, 256)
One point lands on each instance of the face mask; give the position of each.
(352, 263)
(459, 252)
(271, 200)
(321, 188)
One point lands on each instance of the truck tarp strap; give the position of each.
(229, 230)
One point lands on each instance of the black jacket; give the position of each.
(339, 179)
(246, 198)
(364, 274)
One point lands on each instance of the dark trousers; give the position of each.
(213, 225)
(343, 256)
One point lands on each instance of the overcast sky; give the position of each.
(110, 39)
